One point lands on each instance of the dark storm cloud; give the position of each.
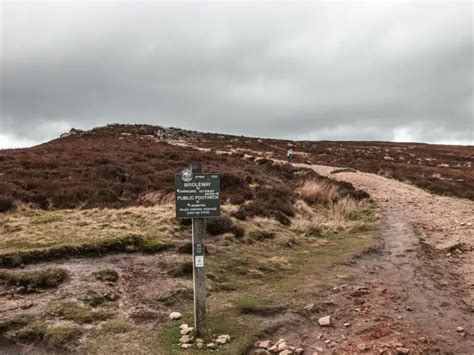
(307, 71)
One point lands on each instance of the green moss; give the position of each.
(74, 311)
(116, 326)
(367, 213)
(16, 322)
(32, 333)
(63, 337)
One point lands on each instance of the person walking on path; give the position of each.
(289, 155)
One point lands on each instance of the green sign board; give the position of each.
(197, 195)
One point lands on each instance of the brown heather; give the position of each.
(120, 166)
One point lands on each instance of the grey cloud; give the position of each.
(312, 71)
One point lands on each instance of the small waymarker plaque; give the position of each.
(199, 261)
(197, 195)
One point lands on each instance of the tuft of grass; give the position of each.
(31, 333)
(16, 322)
(30, 280)
(222, 225)
(344, 209)
(6, 204)
(179, 268)
(178, 295)
(261, 234)
(63, 337)
(258, 305)
(156, 198)
(94, 299)
(324, 192)
(74, 311)
(108, 275)
(116, 326)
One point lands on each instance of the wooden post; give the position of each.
(199, 276)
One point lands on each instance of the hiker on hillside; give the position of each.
(289, 155)
(161, 133)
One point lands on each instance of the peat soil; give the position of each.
(410, 294)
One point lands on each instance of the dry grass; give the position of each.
(324, 192)
(38, 229)
(324, 208)
(343, 209)
(344, 214)
(156, 198)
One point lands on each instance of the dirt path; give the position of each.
(409, 295)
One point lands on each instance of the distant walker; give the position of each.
(289, 154)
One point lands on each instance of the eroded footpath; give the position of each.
(414, 294)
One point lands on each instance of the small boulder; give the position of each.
(223, 339)
(261, 352)
(211, 346)
(286, 352)
(402, 351)
(186, 346)
(265, 344)
(185, 339)
(325, 321)
(175, 315)
(283, 346)
(186, 331)
(459, 329)
(299, 351)
(273, 349)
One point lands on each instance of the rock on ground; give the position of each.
(325, 321)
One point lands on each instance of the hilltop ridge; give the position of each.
(117, 164)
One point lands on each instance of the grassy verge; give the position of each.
(31, 235)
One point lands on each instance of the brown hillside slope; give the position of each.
(125, 165)
(441, 169)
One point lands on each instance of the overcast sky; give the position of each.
(338, 71)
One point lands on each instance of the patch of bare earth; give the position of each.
(416, 292)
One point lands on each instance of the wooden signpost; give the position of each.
(198, 198)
